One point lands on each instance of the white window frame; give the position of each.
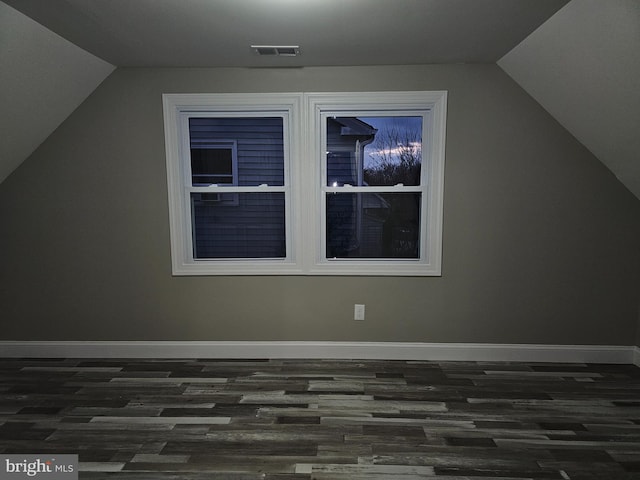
(178, 108)
(305, 186)
(432, 107)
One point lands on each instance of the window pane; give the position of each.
(369, 225)
(374, 150)
(212, 166)
(259, 144)
(253, 227)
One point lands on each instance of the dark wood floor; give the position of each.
(310, 419)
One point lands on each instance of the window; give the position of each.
(214, 163)
(363, 198)
(229, 171)
(379, 163)
(373, 152)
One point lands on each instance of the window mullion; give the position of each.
(375, 189)
(233, 189)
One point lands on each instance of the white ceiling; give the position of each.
(588, 47)
(202, 33)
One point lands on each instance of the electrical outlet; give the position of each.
(358, 312)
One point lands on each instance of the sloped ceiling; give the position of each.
(578, 59)
(43, 78)
(583, 67)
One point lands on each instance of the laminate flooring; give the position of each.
(324, 419)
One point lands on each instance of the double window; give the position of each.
(318, 183)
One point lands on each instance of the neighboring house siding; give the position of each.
(255, 228)
(259, 142)
(237, 225)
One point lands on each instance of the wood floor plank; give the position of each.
(303, 419)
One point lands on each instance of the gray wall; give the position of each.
(540, 239)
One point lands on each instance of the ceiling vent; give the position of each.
(276, 51)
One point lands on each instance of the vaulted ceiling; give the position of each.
(578, 59)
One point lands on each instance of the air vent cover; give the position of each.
(276, 50)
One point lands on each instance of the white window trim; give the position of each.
(178, 176)
(321, 105)
(304, 182)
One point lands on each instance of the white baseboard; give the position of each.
(329, 350)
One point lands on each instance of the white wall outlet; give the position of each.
(358, 312)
